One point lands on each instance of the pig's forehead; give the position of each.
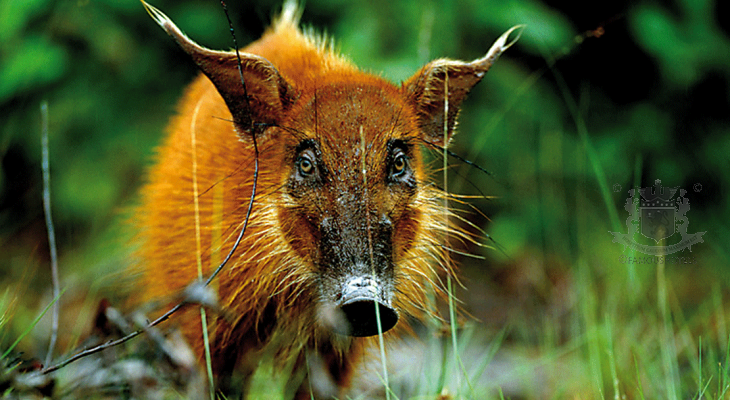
(345, 112)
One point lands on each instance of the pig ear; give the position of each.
(257, 97)
(437, 90)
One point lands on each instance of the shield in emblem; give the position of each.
(657, 222)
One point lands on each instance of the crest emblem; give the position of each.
(657, 215)
(657, 212)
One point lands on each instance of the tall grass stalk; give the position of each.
(4, 309)
(31, 326)
(453, 324)
(480, 141)
(381, 342)
(700, 390)
(50, 229)
(447, 259)
(590, 151)
(634, 283)
(668, 350)
(611, 357)
(590, 326)
(639, 385)
(723, 384)
(198, 252)
(490, 353)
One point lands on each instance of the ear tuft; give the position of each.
(257, 96)
(439, 88)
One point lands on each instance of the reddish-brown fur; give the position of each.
(195, 201)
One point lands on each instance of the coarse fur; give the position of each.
(356, 133)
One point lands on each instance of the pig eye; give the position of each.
(399, 164)
(400, 173)
(305, 165)
(399, 170)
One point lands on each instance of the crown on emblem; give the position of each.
(658, 197)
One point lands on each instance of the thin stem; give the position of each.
(51, 231)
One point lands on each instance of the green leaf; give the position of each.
(35, 63)
(15, 16)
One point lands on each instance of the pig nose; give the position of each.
(360, 305)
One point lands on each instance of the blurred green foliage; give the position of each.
(643, 86)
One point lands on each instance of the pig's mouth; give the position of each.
(361, 303)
